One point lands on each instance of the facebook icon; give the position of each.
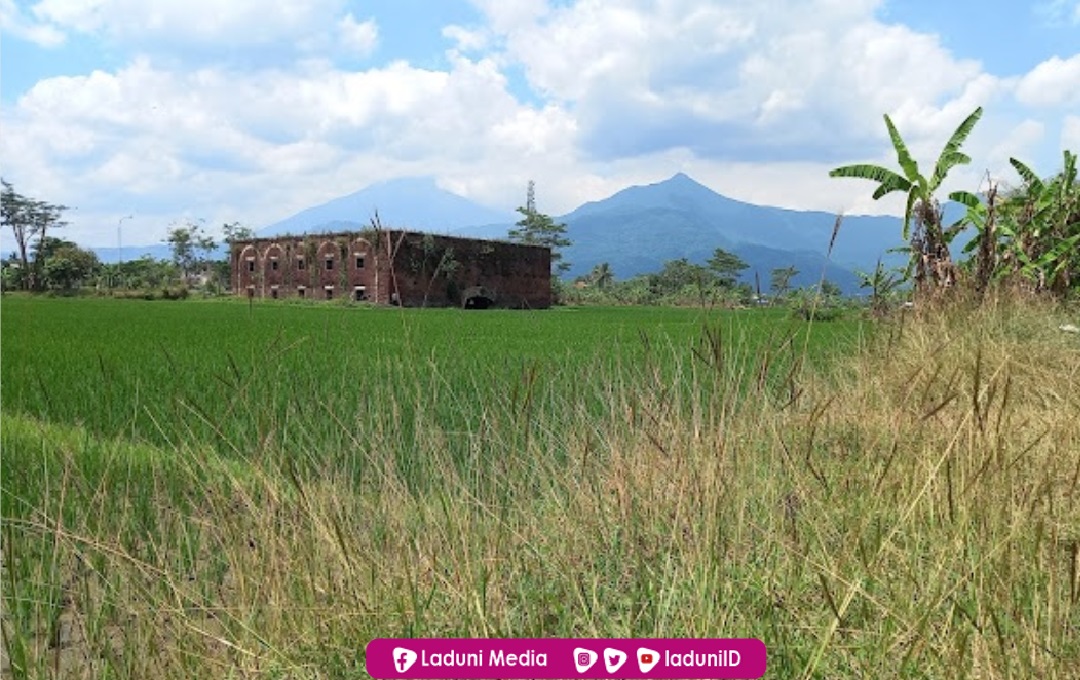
(403, 659)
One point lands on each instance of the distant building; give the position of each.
(394, 267)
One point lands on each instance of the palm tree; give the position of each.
(601, 275)
(929, 239)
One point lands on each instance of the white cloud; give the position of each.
(506, 17)
(14, 22)
(1019, 142)
(1058, 12)
(1054, 82)
(782, 80)
(467, 40)
(272, 142)
(1070, 134)
(236, 22)
(358, 37)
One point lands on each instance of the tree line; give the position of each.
(682, 282)
(43, 261)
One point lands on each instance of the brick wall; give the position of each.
(412, 268)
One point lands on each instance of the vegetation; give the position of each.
(727, 267)
(30, 221)
(224, 490)
(930, 257)
(679, 282)
(1027, 239)
(191, 248)
(537, 228)
(780, 280)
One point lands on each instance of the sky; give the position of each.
(146, 114)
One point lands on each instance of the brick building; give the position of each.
(392, 266)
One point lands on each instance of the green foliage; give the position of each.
(883, 284)
(191, 248)
(601, 276)
(727, 267)
(536, 228)
(30, 221)
(1041, 228)
(929, 251)
(679, 282)
(1028, 238)
(234, 231)
(437, 262)
(67, 266)
(780, 280)
(116, 367)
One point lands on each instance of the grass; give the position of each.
(904, 506)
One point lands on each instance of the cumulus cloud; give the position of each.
(358, 37)
(14, 22)
(1070, 134)
(466, 39)
(194, 140)
(1054, 82)
(236, 22)
(784, 80)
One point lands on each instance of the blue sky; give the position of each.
(251, 110)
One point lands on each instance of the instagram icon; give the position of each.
(584, 659)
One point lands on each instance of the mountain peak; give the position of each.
(407, 202)
(681, 180)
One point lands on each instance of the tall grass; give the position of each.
(909, 510)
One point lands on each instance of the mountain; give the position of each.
(416, 203)
(641, 226)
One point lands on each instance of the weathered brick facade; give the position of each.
(394, 267)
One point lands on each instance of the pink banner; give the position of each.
(524, 658)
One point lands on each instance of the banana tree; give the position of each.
(929, 240)
(1042, 238)
(984, 250)
(882, 283)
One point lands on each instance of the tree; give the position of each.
(30, 221)
(1042, 227)
(145, 272)
(830, 290)
(233, 232)
(683, 278)
(780, 281)
(67, 266)
(190, 248)
(882, 284)
(436, 262)
(536, 228)
(727, 267)
(601, 276)
(929, 240)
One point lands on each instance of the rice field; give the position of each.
(212, 489)
(214, 372)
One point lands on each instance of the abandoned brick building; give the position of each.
(392, 266)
